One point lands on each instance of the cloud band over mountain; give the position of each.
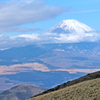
(27, 39)
(67, 31)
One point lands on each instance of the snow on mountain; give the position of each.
(70, 26)
(70, 31)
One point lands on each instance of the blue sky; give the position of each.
(19, 17)
(86, 11)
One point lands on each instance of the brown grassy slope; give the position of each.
(87, 90)
(69, 83)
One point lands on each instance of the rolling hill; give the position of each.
(20, 92)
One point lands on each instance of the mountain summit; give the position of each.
(20, 92)
(71, 31)
(70, 26)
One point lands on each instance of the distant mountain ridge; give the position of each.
(61, 59)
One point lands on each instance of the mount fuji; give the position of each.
(70, 26)
(70, 31)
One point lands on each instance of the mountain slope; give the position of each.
(20, 92)
(87, 90)
(69, 83)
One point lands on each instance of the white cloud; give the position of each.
(28, 39)
(28, 36)
(22, 30)
(78, 37)
(16, 13)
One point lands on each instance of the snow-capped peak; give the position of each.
(70, 31)
(70, 26)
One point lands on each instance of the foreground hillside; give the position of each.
(20, 92)
(87, 90)
(69, 83)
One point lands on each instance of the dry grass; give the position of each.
(87, 90)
